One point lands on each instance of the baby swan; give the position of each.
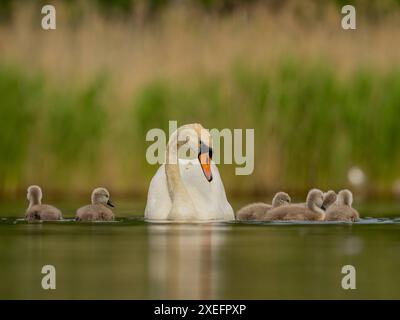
(329, 199)
(37, 210)
(97, 211)
(255, 211)
(311, 212)
(342, 209)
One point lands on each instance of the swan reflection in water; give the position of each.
(184, 260)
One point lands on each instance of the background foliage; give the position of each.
(76, 103)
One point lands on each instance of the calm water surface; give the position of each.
(133, 259)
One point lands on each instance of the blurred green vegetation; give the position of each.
(310, 124)
(374, 10)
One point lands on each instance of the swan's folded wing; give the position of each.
(209, 198)
(224, 204)
(158, 200)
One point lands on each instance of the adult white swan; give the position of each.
(188, 189)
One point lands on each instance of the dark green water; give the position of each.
(133, 259)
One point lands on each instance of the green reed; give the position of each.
(311, 125)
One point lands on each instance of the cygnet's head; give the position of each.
(329, 199)
(345, 197)
(281, 199)
(315, 197)
(34, 194)
(101, 196)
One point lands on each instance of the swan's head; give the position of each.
(329, 199)
(345, 197)
(101, 196)
(315, 197)
(198, 140)
(34, 194)
(281, 199)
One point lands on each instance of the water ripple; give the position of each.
(140, 220)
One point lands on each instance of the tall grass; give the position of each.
(310, 125)
(76, 103)
(19, 98)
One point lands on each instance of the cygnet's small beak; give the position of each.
(323, 207)
(109, 203)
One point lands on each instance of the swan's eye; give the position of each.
(202, 148)
(210, 152)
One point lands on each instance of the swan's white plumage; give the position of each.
(208, 198)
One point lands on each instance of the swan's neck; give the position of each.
(97, 203)
(320, 211)
(313, 207)
(34, 201)
(275, 203)
(182, 205)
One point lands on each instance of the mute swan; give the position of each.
(97, 211)
(37, 210)
(342, 209)
(255, 211)
(311, 212)
(188, 189)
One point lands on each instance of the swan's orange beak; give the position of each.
(205, 162)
